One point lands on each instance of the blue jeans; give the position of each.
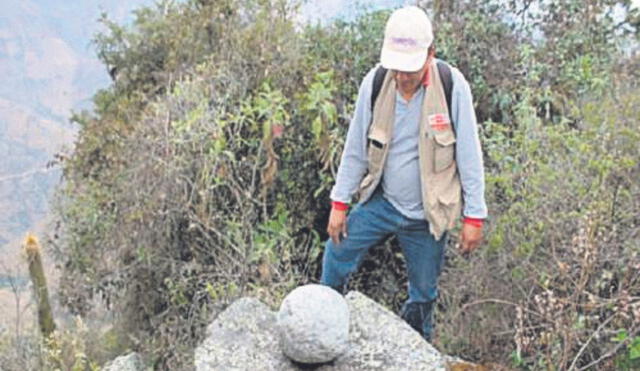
(369, 224)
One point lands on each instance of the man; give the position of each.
(411, 166)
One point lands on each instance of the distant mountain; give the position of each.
(47, 68)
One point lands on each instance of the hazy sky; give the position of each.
(323, 10)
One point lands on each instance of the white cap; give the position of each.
(407, 38)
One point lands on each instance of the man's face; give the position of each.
(409, 81)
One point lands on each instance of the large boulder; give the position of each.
(245, 337)
(380, 340)
(313, 324)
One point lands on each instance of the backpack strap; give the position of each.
(445, 76)
(378, 79)
(447, 84)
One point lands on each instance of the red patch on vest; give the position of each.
(439, 122)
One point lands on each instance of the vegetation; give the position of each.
(39, 281)
(204, 174)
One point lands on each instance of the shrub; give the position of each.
(559, 275)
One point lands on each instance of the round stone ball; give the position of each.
(313, 324)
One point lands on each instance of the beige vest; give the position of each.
(441, 190)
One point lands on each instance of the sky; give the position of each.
(326, 10)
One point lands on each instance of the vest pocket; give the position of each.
(444, 150)
(376, 147)
(450, 200)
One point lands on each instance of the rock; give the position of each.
(380, 340)
(129, 362)
(245, 337)
(313, 324)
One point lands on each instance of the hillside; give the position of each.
(49, 69)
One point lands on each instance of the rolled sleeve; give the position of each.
(468, 148)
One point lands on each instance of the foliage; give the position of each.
(563, 249)
(204, 174)
(67, 349)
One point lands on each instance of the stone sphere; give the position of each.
(313, 324)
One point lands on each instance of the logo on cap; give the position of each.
(404, 41)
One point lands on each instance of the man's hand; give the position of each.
(470, 237)
(337, 225)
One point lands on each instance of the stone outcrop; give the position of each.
(245, 337)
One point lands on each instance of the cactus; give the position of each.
(36, 272)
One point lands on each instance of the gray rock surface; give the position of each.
(244, 337)
(313, 324)
(380, 340)
(129, 362)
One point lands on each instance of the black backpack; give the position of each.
(445, 76)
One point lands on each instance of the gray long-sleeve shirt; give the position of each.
(401, 175)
